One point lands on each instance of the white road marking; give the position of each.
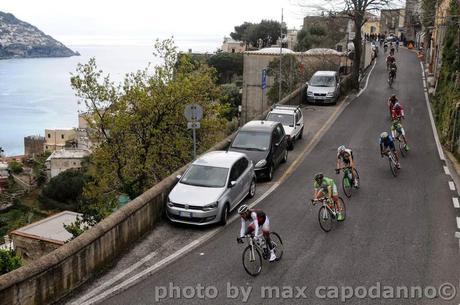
(456, 203)
(367, 80)
(452, 185)
(446, 170)
(458, 222)
(89, 299)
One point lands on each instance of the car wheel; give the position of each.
(252, 189)
(285, 157)
(271, 169)
(224, 216)
(301, 133)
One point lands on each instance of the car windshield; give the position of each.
(283, 118)
(322, 81)
(207, 176)
(252, 141)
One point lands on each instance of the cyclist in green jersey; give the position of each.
(324, 186)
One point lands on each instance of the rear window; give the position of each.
(283, 118)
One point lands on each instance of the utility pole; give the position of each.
(281, 55)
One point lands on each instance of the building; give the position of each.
(372, 25)
(62, 160)
(290, 40)
(392, 22)
(58, 139)
(42, 237)
(412, 23)
(233, 46)
(34, 146)
(4, 174)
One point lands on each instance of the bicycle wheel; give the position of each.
(393, 168)
(346, 185)
(277, 245)
(252, 263)
(325, 219)
(343, 210)
(402, 149)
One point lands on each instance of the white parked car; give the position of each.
(211, 188)
(324, 87)
(291, 118)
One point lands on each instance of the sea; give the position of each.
(36, 94)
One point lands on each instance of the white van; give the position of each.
(323, 87)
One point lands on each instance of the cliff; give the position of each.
(19, 39)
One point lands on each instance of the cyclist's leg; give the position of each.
(395, 153)
(266, 232)
(335, 198)
(403, 134)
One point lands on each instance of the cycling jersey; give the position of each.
(325, 184)
(390, 59)
(258, 219)
(388, 142)
(346, 155)
(397, 111)
(397, 129)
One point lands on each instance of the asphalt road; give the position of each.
(399, 231)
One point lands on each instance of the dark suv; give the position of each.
(265, 143)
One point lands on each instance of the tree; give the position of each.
(355, 10)
(9, 261)
(262, 34)
(39, 168)
(66, 187)
(15, 167)
(227, 65)
(231, 99)
(139, 125)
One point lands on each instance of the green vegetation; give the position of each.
(262, 34)
(140, 127)
(227, 65)
(15, 167)
(9, 261)
(447, 96)
(292, 76)
(317, 37)
(66, 187)
(39, 168)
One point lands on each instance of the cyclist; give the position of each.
(324, 186)
(257, 220)
(393, 69)
(387, 143)
(397, 112)
(346, 156)
(391, 102)
(397, 130)
(397, 45)
(390, 59)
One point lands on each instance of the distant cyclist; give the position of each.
(345, 155)
(387, 143)
(390, 59)
(326, 187)
(252, 221)
(393, 70)
(391, 102)
(397, 131)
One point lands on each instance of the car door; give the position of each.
(245, 176)
(277, 143)
(235, 190)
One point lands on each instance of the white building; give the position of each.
(62, 160)
(233, 46)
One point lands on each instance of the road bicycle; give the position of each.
(257, 250)
(392, 162)
(347, 180)
(328, 212)
(390, 80)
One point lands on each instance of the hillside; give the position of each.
(19, 39)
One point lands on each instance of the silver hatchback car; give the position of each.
(211, 187)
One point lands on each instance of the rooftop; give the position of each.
(257, 125)
(69, 154)
(219, 158)
(271, 51)
(50, 229)
(322, 51)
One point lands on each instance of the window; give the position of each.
(49, 135)
(62, 136)
(285, 119)
(297, 117)
(206, 176)
(277, 134)
(238, 169)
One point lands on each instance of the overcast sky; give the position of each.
(141, 21)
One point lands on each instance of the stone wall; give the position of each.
(53, 276)
(30, 249)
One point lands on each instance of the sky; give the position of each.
(139, 22)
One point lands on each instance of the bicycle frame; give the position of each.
(253, 245)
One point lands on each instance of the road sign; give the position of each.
(193, 125)
(264, 79)
(193, 112)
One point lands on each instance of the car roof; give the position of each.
(283, 111)
(219, 158)
(261, 126)
(325, 73)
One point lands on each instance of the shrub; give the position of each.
(9, 261)
(15, 167)
(65, 187)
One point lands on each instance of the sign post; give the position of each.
(193, 113)
(263, 85)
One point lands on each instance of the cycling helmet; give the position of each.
(384, 135)
(319, 177)
(243, 209)
(341, 149)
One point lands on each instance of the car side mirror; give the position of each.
(298, 124)
(232, 183)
